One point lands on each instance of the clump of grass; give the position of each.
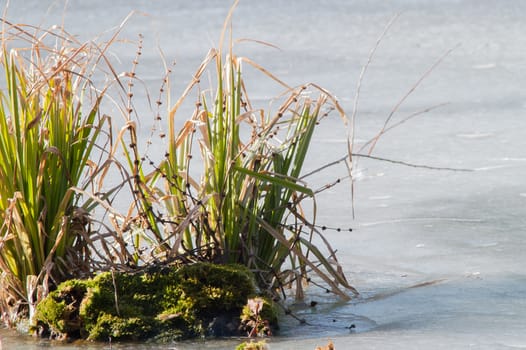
(49, 126)
(228, 189)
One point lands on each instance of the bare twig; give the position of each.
(407, 94)
(362, 74)
(423, 166)
(399, 162)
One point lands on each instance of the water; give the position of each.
(456, 237)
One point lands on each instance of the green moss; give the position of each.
(122, 295)
(260, 345)
(51, 312)
(115, 327)
(207, 288)
(172, 303)
(207, 297)
(58, 313)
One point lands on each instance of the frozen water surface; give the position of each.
(438, 256)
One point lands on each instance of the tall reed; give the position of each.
(49, 126)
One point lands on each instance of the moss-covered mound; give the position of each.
(173, 303)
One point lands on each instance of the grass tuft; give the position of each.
(49, 126)
(228, 189)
